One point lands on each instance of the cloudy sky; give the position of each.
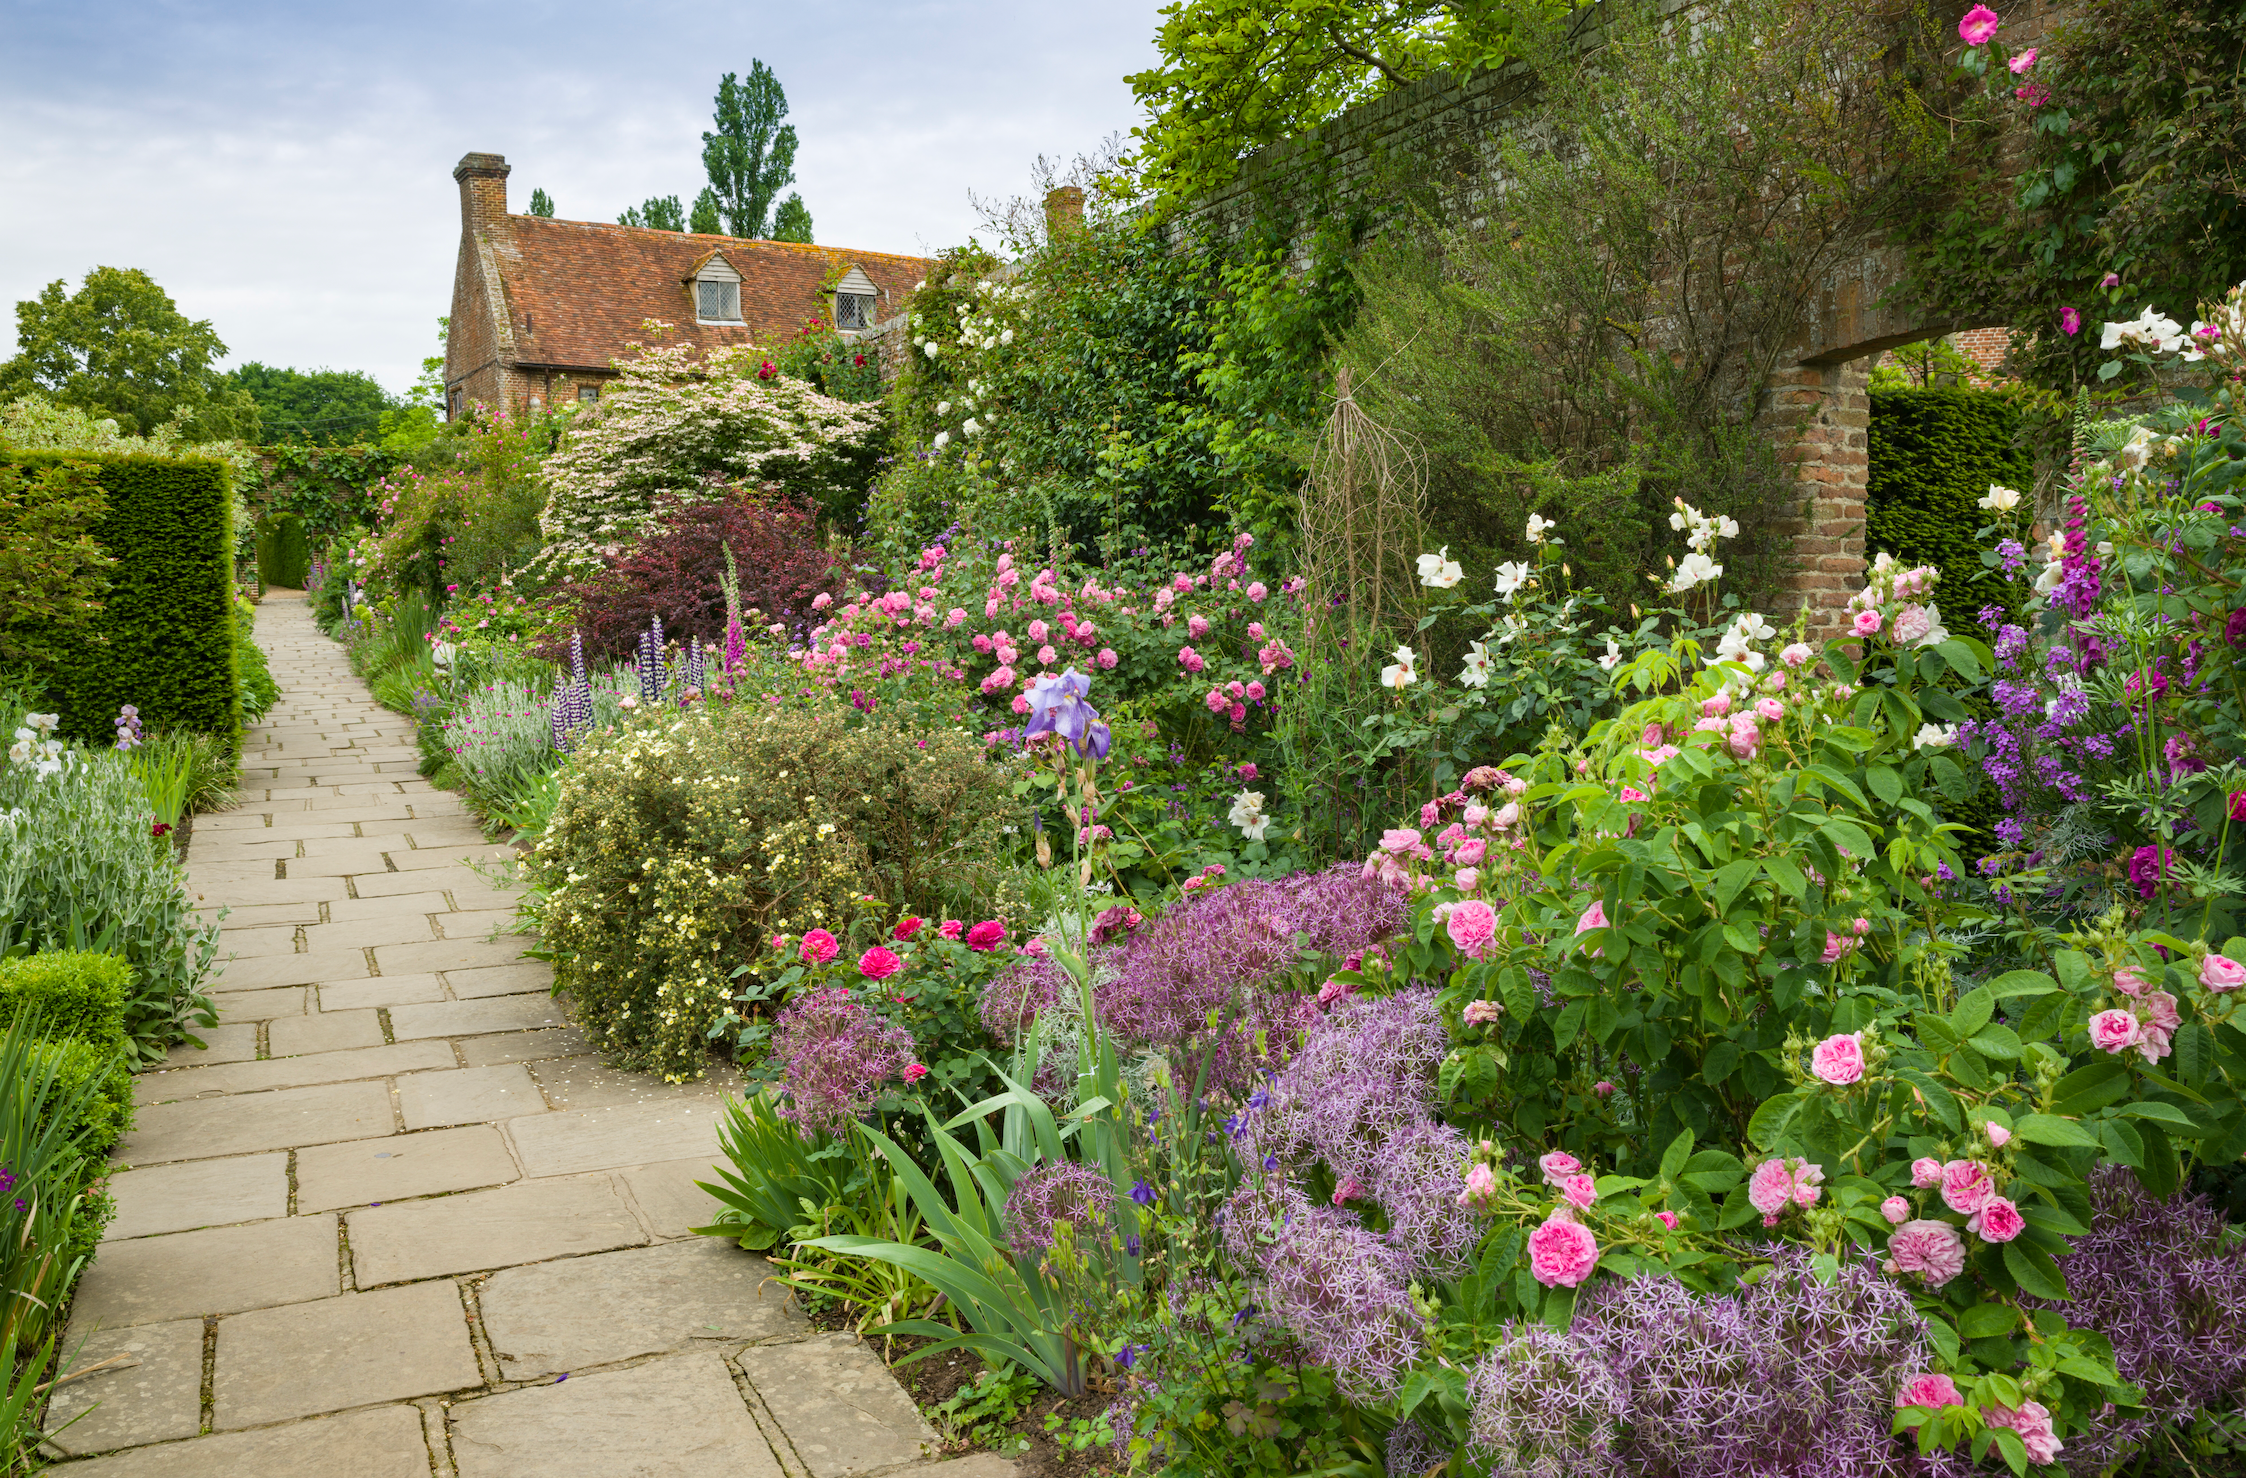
(285, 170)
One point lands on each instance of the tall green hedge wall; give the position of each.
(1934, 453)
(165, 639)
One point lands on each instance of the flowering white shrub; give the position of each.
(672, 424)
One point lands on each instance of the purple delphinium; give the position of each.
(2155, 1277)
(1788, 1375)
(1339, 1289)
(651, 675)
(1053, 1192)
(1545, 1406)
(833, 1055)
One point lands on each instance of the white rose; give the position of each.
(1511, 576)
(2000, 499)
(1440, 570)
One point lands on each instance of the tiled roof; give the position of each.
(578, 291)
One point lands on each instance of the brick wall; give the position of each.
(1820, 416)
(479, 338)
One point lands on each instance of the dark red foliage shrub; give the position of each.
(675, 573)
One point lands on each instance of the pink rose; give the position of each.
(1214, 702)
(2032, 1422)
(1998, 1220)
(950, 928)
(1257, 590)
(1562, 1253)
(1715, 707)
(1470, 852)
(1399, 839)
(1867, 623)
(1557, 1166)
(1481, 1187)
(1796, 654)
(1630, 795)
(1190, 660)
(1912, 624)
(1928, 1390)
(1667, 1219)
(1107, 658)
(1482, 1013)
(878, 963)
(2022, 62)
(914, 1072)
(1580, 1191)
(818, 947)
(1839, 1060)
(1603, 1088)
(1779, 1183)
(1932, 1249)
(989, 934)
(1467, 879)
(2221, 973)
(1999, 1136)
(2113, 1031)
(1771, 709)
(1926, 1172)
(1745, 740)
(1196, 627)
(1896, 1210)
(2160, 1011)
(1047, 656)
(907, 927)
(1966, 1186)
(1594, 917)
(2129, 981)
(1472, 926)
(1978, 26)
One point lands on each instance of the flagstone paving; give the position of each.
(394, 1220)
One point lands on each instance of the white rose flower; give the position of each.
(943, 407)
(1694, 569)
(943, 439)
(929, 348)
(1400, 673)
(2000, 499)
(1476, 672)
(1540, 529)
(1006, 337)
(1440, 570)
(1247, 814)
(1934, 736)
(1511, 576)
(971, 427)
(1613, 656)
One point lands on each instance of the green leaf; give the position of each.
(2122, 1141)
(2168, 1114)
(2090, 1087)
(1787, 876)
(1940, 1102)
(1973, 1012)
(1674, 1159)
(2035, 1272)
(1961, 659)
(2051, 1130)
(1569, 1023)
(2074, 969)
(1730, 879)
(1771, 1119)
(1986, 1321)
(1854, 740)
(2021, 983)
(1996, 1040)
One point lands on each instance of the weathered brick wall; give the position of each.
(479, 336)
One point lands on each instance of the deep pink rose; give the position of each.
(1966, 1187)
(2022, 62)
(914, 1072)
(1839, 1059)
(1867, 623)
(2221, 973)
(2070, 321)
(2113, 1031)
(989, 934)
(1667, 1219)
(1978, 26)
(1594, 917)
(818, 947)
(1998, 1220)
(950, 928)
(878, 964)
(1926, 1172)
(1580, 1191)
(1928, 1390)
(907, 927)
(1562, 1253)
(1932, 1249)
(1558, 1166)
(1472, 926)
(2033, 1423)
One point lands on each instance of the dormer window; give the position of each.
(717, 292)
(855, 298)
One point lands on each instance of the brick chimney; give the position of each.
(1064, 209)
(483, 196)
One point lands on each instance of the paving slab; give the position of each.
(612, 1138)
(381, 990)
(414, 905)
(502, 980)
(153, 1395)
(423, 858)
(468, 1095)
(586, 1311)
(352, 1350)
(382, 883)
(473, 1018)
(553, 1041)
(669, 1200)
(292, 1072)
(197, 1193)
(480, 923)
(208, 1127)
(251, 1005)
(370, 933)
(448, 955)
(526, 1222)
(675, 1418)
(262, 942)
(323, 1031)
(370, 1172)
(221, 1270)
(260, 888)
(236, 1043)
(304, 969)
(588, 1083)
(265, 915)
(841, 1409)
(384, 1442)
(975, 1465)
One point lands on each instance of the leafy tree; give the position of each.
(792, 221)
(752, 154)
(1239, 74)
(418, 417)
(318, 407)
(705, 220)
(541, 204)
(660, 213)
(120, 348)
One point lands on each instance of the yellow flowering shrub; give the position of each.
(683, 839)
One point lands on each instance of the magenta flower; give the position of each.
(950, 928)
(2113, 1031)
(1966, 1186)
(878, 964)
(1838, 1060)
(1998, 1220)
(987, 935)
(818, 947)
(1978, 26)
(1928, 1390)
(2220, 973)
(1191, 660)
(2033, 1423)
(1562, 1253)
(2022, 62)
(1558, 1166)
(1472, 926)
(1580, 1191)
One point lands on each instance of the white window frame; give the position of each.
(719, 273)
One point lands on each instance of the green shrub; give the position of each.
(75, 995)
(106, 1111)
(680, 841)
(1934, 453)
(259, 690)
(284, 554)
(164, 640)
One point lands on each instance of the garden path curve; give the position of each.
(394, 1221)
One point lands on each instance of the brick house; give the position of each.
(541, 308)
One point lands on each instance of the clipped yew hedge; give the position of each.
(164, 641)
(1934, 453)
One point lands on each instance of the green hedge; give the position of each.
(165, 639)
(284, 554)
(77, 995)
(1934, 453)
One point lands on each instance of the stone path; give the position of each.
(394, 1221)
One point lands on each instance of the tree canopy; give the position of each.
(1239, 74)
(541, 204)
(324, 407)
(120, 348)
(752, 154)
(792, 221)
(659, 213)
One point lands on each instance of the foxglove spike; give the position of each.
(736, 647)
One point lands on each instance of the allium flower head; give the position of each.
(1052, 1192)
(1545, 1405)
(1337, 1287)
(833, 1054)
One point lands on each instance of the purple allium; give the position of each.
(1016, 995)
(833, 1054)
(1362, 1073)
(1416, 1177)
(2156, 1278)
(1415, 1450)
(1054, 1192)
(1339, 1289)
(1788, 1375)
(1545, 1406)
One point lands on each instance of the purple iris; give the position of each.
(1057, 706)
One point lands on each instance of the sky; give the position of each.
(285, 171)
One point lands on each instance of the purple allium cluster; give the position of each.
(2155, 1277)
(1415, 1450)
(1338, 1288)
(833, 1054)
(1058, 1191)
(1788, 1375)
(1545, 1406)
(1018, 994)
